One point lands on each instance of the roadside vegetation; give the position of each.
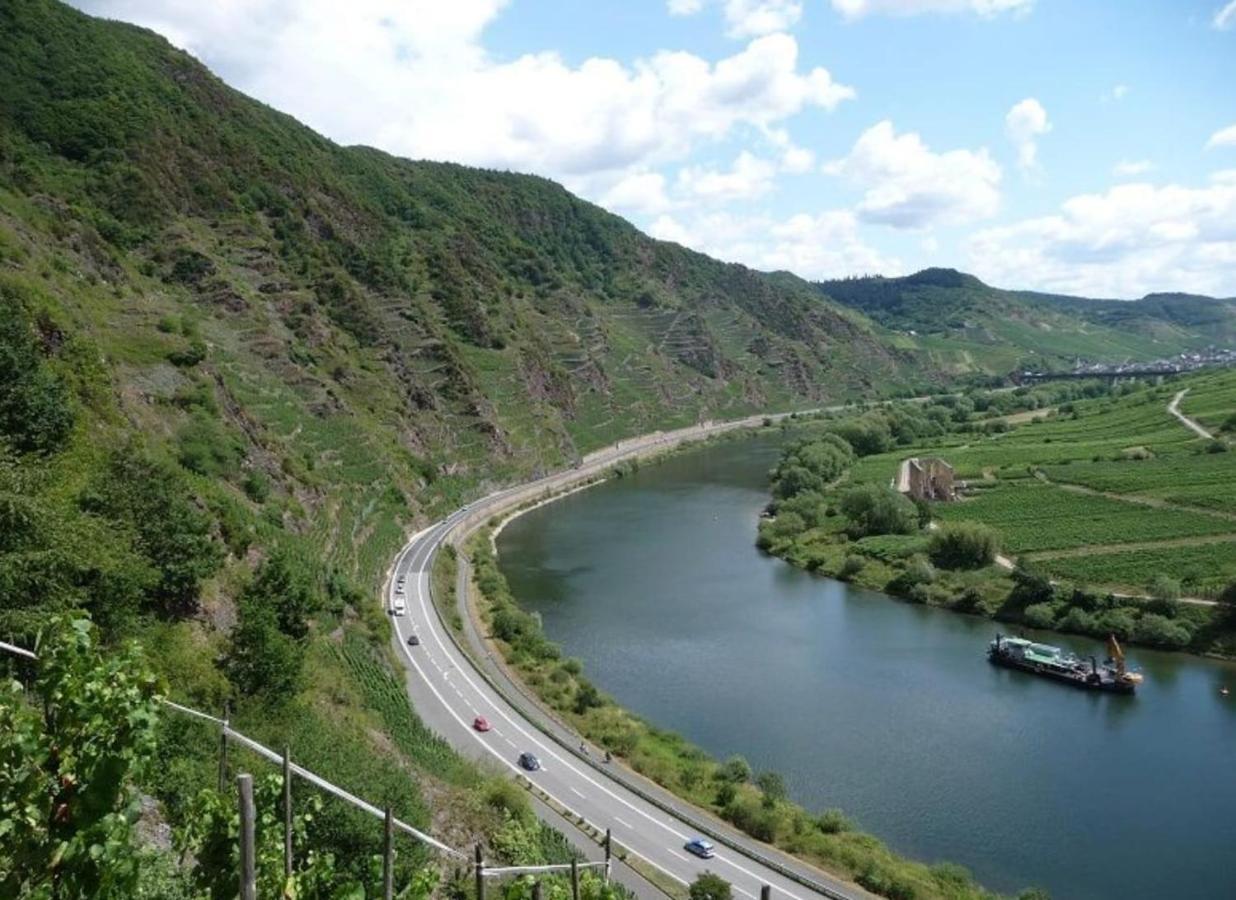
(1100, 514)
(755, 803)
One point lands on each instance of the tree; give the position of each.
(709, 886)
(36, 413)
(773, 786)
(284, 584)
(261, 659)
(1166, 588)
(67, 764)
(876, 509)
(963, 545)
(169, 529)
(735, 770)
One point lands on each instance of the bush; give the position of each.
(850, 567)
(207, 448)
(36, 414)
(1160, 631)
(809, 466)
(787, 526)
(1120, 622)
(833, 821)
(1040, 615)
(710, 887)
(735, 770)
(875, 509)
(773, 786)
(885, 884)
(1077, 621)
(169, 529)
(1164, 587)
(920, 571)
(917, 593)
(257, 487)
(963, 545)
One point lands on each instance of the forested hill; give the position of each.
(968, 324)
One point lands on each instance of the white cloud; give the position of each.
(794, 160)
(430, 89)
(748, 177)
(797, 160)
(754, 17)
(1131, 240)
(1225, 17)
(910, 186)
(824, 245)
(1024, 124)
(856, 9)
(1129, 168)
(1224, 137)
(1117, 93)
(685, 7)
(636, 192)
(747, 18)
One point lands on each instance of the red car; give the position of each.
(480, 723)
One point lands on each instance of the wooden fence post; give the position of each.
(223, 751)
(480, 875)
(574, 879)
(287, 813)
(609, 840)
(248, 855)
(388, 857)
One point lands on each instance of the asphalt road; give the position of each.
(449, 693)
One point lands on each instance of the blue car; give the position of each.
(700, 847)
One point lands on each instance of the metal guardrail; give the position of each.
(470, 523)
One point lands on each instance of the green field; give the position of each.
(1195, 566)
(1033, 516)
(1098, 473)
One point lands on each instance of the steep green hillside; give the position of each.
(238, 363)
(966, 325)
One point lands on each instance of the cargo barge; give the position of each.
(1060, 665)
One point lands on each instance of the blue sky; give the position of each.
(1084, 146)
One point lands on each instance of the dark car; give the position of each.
(529, 761)
(700, 847)
(413, 641)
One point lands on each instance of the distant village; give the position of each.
(1171, 365)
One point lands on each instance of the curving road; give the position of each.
(449, 693)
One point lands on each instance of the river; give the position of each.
(884, 709)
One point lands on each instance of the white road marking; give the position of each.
(624, 824)
(432, 545)
(577, 790)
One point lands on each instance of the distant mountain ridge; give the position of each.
(967, 324)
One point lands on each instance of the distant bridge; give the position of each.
(1024, 377)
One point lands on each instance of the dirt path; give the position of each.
(1191, 424)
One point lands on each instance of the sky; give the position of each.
(1074, 146)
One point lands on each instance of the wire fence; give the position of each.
(242, 740)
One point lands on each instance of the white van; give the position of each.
(400, 606)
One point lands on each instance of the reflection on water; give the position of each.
(887, 710)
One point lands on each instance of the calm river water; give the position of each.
(886, 710)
